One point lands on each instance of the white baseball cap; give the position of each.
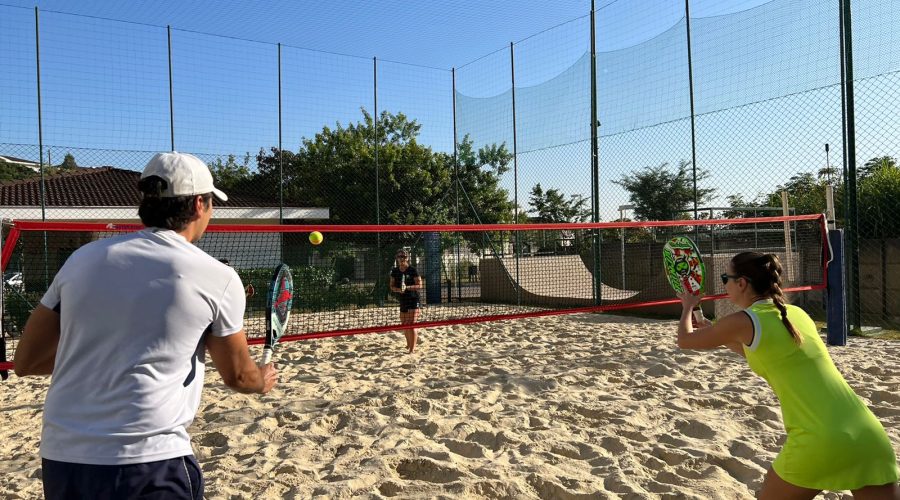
(185, 174)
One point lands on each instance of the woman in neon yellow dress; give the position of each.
(834, 442)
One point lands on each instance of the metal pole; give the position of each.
(849, 122)
(37, 55)
(280, 148)
(687, 18)
(171, 100)
(518, 249)
(375, 122)
(43, 191)
(456, 190)
(595, 165)
(379, 279)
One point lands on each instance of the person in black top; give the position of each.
(405, 280)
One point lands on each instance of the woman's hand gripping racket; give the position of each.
(685, 270)
(278, 309)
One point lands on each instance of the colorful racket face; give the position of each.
(278, 308)
(684, 265)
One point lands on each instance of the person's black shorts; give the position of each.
(408, 304)
(176, 478)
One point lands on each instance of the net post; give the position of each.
(836, 296)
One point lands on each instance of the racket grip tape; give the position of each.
(267, 355)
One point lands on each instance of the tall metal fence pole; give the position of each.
(595, 163)
(375, 123)
(378, 279)
(37, 56)
(280, 151)
(517, 243)
(171, 99)
(456, 189)
(687, 19)
(849, 128)
(43, 190)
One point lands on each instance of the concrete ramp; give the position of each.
(551, 280)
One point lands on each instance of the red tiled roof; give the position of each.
(97, 187)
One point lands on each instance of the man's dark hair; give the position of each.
(165, 212)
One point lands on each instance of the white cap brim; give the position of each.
(220, 195)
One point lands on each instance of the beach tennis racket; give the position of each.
(278, 308)
(685, 269)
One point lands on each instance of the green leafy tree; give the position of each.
(68, 164)
(879, 212)
(872, 166)
(552, 206)
(662, 193)
(336, 169)
(15, 171)
(231, 174)
(409, 184)
(742, 208)
(806, 194)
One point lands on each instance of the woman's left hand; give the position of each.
(688, 300)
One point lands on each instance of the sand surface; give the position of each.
(564, 407)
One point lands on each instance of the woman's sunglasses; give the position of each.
(725, 277)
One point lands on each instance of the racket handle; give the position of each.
(267, 355)
(697, 316)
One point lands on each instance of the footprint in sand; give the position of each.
(737, 469)
(214, 439)
(659, 370)
(614, 444)
(884, 397)
(688, 385)
(670, 457)
(696, 429)
(421, 469)
(742, 450)
(490, 440)
(764, 413)
(547, 489)
(466, 449)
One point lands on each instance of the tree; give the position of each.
(15, 171)
(68, 164)
(879, 214)
(336, 169)
(230, 174)
(806, 194)
(552, 206)
(741, 208)
(658, 193)
(875, 164)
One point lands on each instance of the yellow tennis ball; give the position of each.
(315, 237)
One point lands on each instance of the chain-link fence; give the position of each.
(723, 112)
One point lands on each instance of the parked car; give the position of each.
(14, 280)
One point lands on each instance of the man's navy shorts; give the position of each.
(176, 478)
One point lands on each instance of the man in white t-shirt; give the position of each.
(123, 329)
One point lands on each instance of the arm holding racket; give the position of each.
(730, 331)
(36, 351)
(231, 356)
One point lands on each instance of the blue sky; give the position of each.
(105, 83)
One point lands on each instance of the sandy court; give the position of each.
(577, 406)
